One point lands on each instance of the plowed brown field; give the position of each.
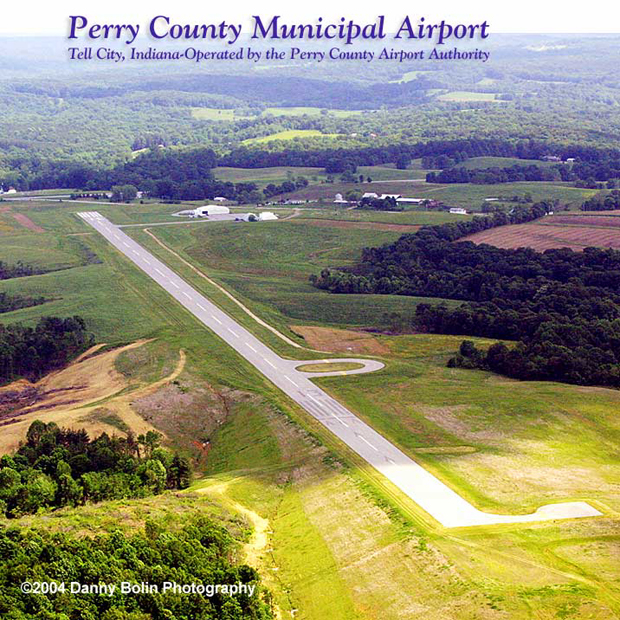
(544, 237)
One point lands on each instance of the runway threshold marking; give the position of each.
(331, 413)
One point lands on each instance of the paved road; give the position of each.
(436, 498)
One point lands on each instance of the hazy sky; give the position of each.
(549, 16)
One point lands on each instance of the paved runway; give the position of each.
(432, 495)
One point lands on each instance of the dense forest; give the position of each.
(58, 467)
(202, 552)
(31, 352)
(187, 173)
(562, 307)
(509, 174)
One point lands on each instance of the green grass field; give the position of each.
(290, 134)
(309, 111)
(475, 163)
(465, 195)
(268, 268)
(409, 76)
(213, 114)
(466, 96)
(341, 544)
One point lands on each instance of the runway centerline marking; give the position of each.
(368, 443)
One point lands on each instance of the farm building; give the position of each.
(267, 216)
(370, 195)
(410, 201)
(219, 199)
(458, 211)
(395, 196)
(208, 210)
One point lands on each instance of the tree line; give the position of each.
(562, 307)
(31, 352)
(58, 467)
(201, 552)
(187, 173)
(603, 202)
(9, 303)
(16, 270)
(509, 174)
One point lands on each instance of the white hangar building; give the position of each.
(211, 210)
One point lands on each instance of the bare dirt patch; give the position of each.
(69, 397)
(545, 237)
(189, 412)
(341, 340)
(25, 221)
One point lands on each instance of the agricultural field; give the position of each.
(214, 114)
(476, 163)
(575, 232)
(309, 111)
(263, 176)
(411, 217)
(409, 76)
(290, 134)
(466, 96)
(465, 195)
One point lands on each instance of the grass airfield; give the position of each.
(338, 543)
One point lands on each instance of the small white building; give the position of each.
(370, 195)
(340, 200)
(11, 190)
(458, 211)
(219, 199)
(208, 210)
(395, 196)
(267, 216)
(248, 217)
